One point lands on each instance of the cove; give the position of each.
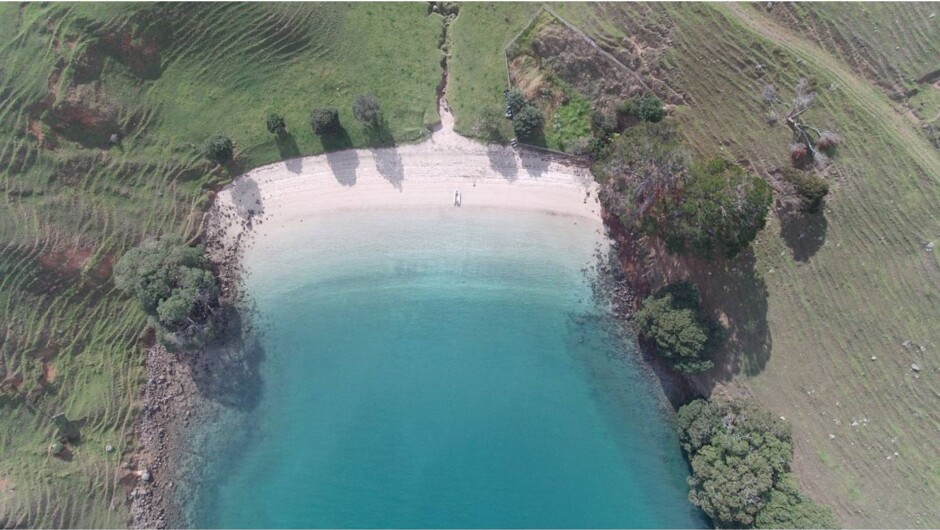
(443, 367)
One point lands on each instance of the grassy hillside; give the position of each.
(164, 76)
(840, 290)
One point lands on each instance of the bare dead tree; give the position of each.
(810, 144)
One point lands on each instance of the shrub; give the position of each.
(324, 121)
(799, 154)
(219, 149)
(717, 209)
(649, 109)
(603, 124)
(367, 110)
(672, 318)
(828, 141)
(171, 281)
(275, 124)
(516, 101)
(527, 121)
(811, 187)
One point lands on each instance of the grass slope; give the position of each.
(167, 76)
(840, 290)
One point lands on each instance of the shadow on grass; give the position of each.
(290, 153)
(804, 233)
(736, 293)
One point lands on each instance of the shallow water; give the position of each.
(443, 368)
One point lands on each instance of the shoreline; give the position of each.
(278, 197)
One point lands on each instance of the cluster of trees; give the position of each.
(811, 146)
(220, 149)
(527, 119)
(741, 456)
(707, 208)
(673, 320)
(174, 284)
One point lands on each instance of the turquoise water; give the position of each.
(444, 368)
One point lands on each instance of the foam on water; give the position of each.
(443, 368)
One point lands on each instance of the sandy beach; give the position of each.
(425, 175)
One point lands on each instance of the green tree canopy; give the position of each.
(527, 121)
(171, 280)
(717, 209)
(672, 318)
(516, 101)
(275, 124)
(219, 149)
(740, 456)
(324, 121)
(367, 110)
(649, 109)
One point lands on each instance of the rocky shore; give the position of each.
(185, 389)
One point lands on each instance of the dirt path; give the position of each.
(859, 90)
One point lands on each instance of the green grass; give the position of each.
(70, 209)
(569, 123)
(829, 305)
(477, 68)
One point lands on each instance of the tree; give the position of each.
(649, 109)
(516, 101)
(172, 282)
(218, 149)
(367, 110)
(788, 507)
(527, 121)
(672, 318)
(815, 142)
(325, 121)
(716, 209)
(603, 124)
(275, 124)
(739, 453)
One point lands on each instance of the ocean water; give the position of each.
(443, 368)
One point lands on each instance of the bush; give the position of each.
(649, 109)
(172, 282)
(603, 124)
(218, 149)
(367, 110)
(828, 141)
(324, 121)
(275, 124)
(811, 187)
(672, 318)
(527, 121)
(516, 101)
(741, 458)
(717, 209)
(799, 154)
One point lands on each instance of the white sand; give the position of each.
(422, 175)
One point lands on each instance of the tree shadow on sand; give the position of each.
(388, 161)
(804, 233)
(502, 161)
(226, 371)
(342, 160)
(246, 197)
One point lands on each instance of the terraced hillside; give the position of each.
(852, 297)
(163, 77)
